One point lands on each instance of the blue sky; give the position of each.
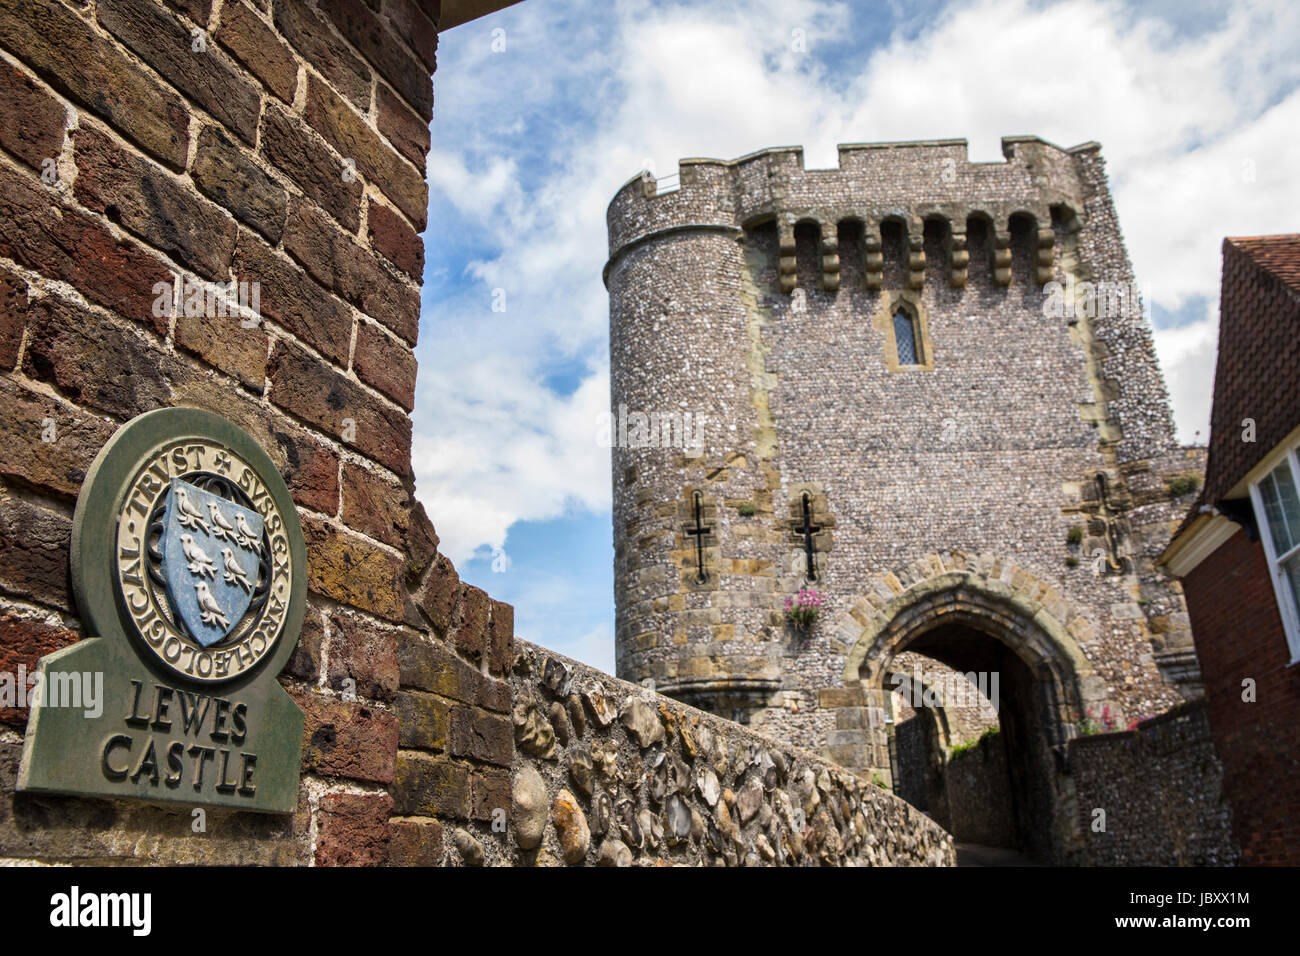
(544, 109)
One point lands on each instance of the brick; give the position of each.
(433, 668)
(13, 316)
(255, 45)
(34, 545)
(348, 133)
(392, 237)
(501, 638)
(430, 786)
(227, 175)
(342, 739)
(416, 29)
(314, 39)
(290, 297)
(25, 640)
(471, 632)
(66, 53)
(301, 155)
(352, 829)
(352, 571)
(34, 120)
(56, 467)
(386, 363)
(93, 361)
(423, 721)
(310, 470)
(227, 344)
(383, 50)
(165, 43)
(407, 132)
(62, 243)
(341, 264)
(200, 11)
(490, 792)
(421, 544)
(364, 654)
(305, 664)
(375, 505)
(317, 393)
(415, 843)
(441, 591)
(146, 201)
(489, 738)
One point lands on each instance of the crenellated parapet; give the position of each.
(911, 190)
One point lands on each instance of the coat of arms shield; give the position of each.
(211, 552)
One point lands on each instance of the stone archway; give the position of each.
(980, 614)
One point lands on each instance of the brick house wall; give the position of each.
(1238, 636)
(277, 143)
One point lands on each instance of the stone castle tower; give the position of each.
(924, 388)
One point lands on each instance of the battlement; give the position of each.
(908, 183)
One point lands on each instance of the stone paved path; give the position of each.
(972, 854)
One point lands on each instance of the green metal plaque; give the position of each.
(189, 571)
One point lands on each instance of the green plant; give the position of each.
(879, 781)
(745, 510)
(1182, 486)
(1074, 535)
(958, 749)
(972, 744)
(1072, 562)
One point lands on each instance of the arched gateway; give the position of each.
(1010, 633)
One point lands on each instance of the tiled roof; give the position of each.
(1258, 371)
(1279, 255)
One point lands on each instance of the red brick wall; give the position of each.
(289, 151)
(1239, 635)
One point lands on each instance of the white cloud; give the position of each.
(1187, 354)
(532, 144)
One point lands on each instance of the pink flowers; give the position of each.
(1090, 724)
(802, 609)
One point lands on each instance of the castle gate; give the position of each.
(1022, 656)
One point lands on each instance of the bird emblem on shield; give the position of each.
(211, 556)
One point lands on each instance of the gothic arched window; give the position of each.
(905, 338)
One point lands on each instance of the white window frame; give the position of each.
(1286, 601)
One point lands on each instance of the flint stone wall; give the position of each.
(978, 796)
(608, 773)
(1161, 787)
